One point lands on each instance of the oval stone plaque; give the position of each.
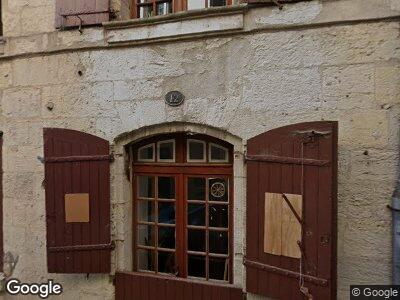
(174, 98)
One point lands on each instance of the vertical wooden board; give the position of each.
(1, 200)
(187, 291)
(104, 211)
(135, 288)
(252, 227)
(265, 284)
(291, 228)
(67, 182)
(153, 285)
(272, 223)
(326, 217)
(69, 7)
(272, 174)
(157, 290)
(76, 228)
(85, 228)
(101, 6)
(310, 215)
(215, 292)
(197, 291)
(144, 288)
(183, 290)
(94, 214)
(170, 292)
(132, 288)
(59, 208)
(58, 18)
(288, 186)
(235, 294)
(69, 13)
(50, 205)
(206, 292)
(88, 6)
(225, 294)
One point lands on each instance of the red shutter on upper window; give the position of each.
(299, 160)
(70, 13)
(77, 184)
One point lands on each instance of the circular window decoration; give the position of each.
(218, 189)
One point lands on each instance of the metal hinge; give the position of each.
(393, 208)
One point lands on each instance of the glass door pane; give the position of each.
(156, 223)
(207, 222)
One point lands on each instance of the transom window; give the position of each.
(183, 207)
(193, 150)
(149, 8)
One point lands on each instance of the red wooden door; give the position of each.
(297, 159)
(77, 164)
(132, 286)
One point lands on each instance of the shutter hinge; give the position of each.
(325, 239)
(393, 208)
(310, 135)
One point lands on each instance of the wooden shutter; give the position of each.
(71, 13)
(298, 159)
(1, 203)
(77, 168)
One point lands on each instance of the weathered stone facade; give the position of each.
(260, 68)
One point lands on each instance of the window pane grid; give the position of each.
(167, 200)
(165, 219)
(166, 250)
(145, 247)
(220, 235)
(154, 249)
(167, 8)
(145, 223)
(210, 228)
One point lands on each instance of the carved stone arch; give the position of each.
(170, 127)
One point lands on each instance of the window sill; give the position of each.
(181, 24)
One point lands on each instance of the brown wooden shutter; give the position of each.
(1, 203)
(71, 13)
(77, 164)
(282, 161)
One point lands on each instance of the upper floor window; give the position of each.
(150, 8)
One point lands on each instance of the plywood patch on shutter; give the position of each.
(272, 225)
(291, 228)
(281, 228)
(76, 208)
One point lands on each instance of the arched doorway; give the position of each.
(182, 193)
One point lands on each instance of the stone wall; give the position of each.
(244, 84)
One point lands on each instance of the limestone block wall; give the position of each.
(244, 84)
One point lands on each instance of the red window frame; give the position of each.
(177, 5)
(181, 170)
